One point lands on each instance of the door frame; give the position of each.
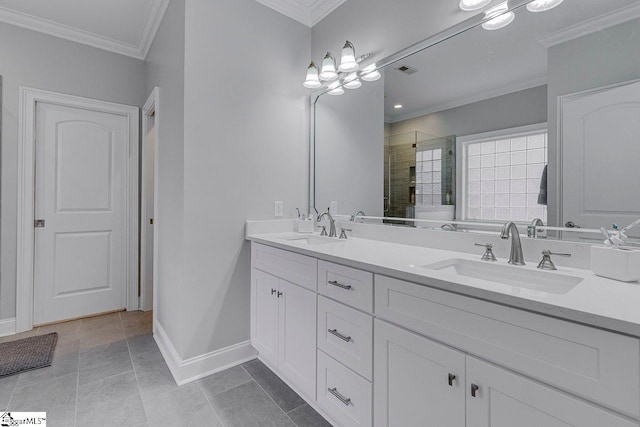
(29, 97)
(150, 108)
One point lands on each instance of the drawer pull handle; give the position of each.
(340, 397)
(452, 378)
(339, 335)
(474, 390)
(340, 285)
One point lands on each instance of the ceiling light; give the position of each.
(501, 17)
(328, 72)
(348, 61)
(335, 89)
(352, 81)
(543, 5)
(312, 81)
(370, 74)
(469, 5)
(398, 106)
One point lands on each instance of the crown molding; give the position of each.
(593, 25)
(308, 16)
(506, 90)
(139, 51)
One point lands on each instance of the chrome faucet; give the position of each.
(532, 229)
(516, 257)
(332, 223)
(354, 217)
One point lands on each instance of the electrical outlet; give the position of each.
(278, 209)
(334, 207)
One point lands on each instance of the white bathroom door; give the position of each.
(81, 199)
(600, 152)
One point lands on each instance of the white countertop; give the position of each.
(596, 301)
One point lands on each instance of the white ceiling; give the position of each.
(308, 12)
(127, 27)
(483, 64)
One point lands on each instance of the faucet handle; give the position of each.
(324, 230)
(343, 234)
(488, 254)
(546, 263)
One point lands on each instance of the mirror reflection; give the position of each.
(541, 118)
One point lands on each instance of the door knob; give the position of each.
(474, 390)
(451, 379)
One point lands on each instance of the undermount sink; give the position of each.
(542, 281)
(314, 240)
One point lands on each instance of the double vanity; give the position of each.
(373, 333)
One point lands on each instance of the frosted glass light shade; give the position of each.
(312, 81)
(352, 81)
(348, 61)
(328, 72)
(335, 89)
(370, 74)
(469, 5)
(501, 17)
(543, 5)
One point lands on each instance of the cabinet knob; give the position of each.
(279, 294)
(273, 291)
(452, 378)
(474, 390)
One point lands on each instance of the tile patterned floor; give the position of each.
(108, 371)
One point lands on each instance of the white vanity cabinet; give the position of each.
(375, 351)
(283, 319)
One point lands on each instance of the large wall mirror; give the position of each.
(538, 119)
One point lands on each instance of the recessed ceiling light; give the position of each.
(501, 17)
(469, 5)
(543, 5)
(398, 106)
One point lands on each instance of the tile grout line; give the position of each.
(144, 408)
(209, 401)
(271, 397)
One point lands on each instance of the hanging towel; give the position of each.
(542, 197)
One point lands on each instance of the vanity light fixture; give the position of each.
(352, 81)
(312, 81)
(348, 61)
(398, 106)
(335, 89)
(543, 5)
(501, 17)
(470, 5)
(370, 74)
(328, 72)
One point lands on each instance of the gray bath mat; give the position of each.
(27, 354)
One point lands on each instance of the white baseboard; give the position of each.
(7, 327)
(186, 371)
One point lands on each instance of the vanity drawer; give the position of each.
(343, 394)
(348, 285)
(346, 335)
(592, 363)
(290, 266)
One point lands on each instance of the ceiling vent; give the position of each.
(407, 70)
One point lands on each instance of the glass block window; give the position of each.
(502, 177)
(429, 177)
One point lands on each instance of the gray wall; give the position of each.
(383, 27)
(350, 150)
(165, 69)
(36, 60)
(520, 108)
(596, 60)
(245, 146)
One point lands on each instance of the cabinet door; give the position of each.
(411, 387)
(505, 399)
(297, 357)
(264, 328)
